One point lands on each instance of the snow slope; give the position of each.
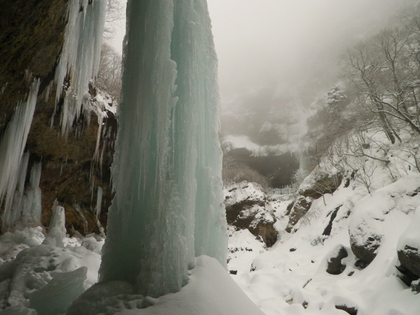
(292, 278)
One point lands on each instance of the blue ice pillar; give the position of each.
(167, 153)
(193, 50)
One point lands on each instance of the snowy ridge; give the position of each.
(292, 278)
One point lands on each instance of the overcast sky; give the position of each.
(288, 45)
(285, 43)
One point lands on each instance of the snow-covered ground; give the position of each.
(290, 278)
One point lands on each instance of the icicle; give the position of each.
(36, 207)
(80, 56)
(13, 207)
(99, 202)
(12, 146)
(27, 207)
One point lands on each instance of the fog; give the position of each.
(282, 53)
(288, 46)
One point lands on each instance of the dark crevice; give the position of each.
(328, 229)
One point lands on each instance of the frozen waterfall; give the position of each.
(167, 169)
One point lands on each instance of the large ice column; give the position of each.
(168, 161)
(210, 215)
(197, 92)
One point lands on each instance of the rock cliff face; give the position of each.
(74, 166)
(31, 37)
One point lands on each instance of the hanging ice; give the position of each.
(80, 56)
(168, 204)
(78, 64)
(12, 145)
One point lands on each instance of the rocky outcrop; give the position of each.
(31, 37)
(335, 266)
(409, 247)
(298, 210)
(322, 184)
(246, 209)
(315, 186)
(372, 215)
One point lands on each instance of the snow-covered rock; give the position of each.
(409, 246)
(373, 214)
(247, 208)
(317, 184)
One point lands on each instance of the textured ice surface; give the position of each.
(168, 203)
(55, 297)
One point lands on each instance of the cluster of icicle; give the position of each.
(79, 60)
(78, 64)
(13, 165)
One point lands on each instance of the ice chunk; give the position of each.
(59, 293)
(57, 228)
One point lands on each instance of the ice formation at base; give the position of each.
(168, 204)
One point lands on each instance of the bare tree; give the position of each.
(385, 70)
(364, 66)
(114, 17)
(108, 78)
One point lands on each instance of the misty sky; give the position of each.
(287, 44)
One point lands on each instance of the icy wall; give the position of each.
(50, 46)
(168, 204)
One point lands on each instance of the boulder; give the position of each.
(334, 260)
(299, 209)
(315, 186)
(371, 216)
(246, 209)
(409, 246)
